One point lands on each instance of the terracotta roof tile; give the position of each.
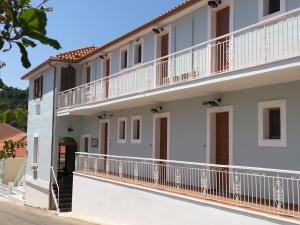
(75, 55)
(7, 130)
(20, 137)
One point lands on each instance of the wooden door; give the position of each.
(222, 151)
(163, 147)
(222, 45)
(68, 78)
(104, 144)
(106, 78)
(163, 65)
(88, 74)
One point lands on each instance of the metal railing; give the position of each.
(260, 189)
(54, 182)
(268, 41)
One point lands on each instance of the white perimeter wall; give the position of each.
(108, 203)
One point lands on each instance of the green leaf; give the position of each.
(28, 42)
(43, 39)
(33, 19)
(24, 57)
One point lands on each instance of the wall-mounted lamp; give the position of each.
(101, 56)
(158, 29)
(102, 116)
(214, 102)
(214, 3)
(70, 129)
(157, 109)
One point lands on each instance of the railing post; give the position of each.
(209, 59)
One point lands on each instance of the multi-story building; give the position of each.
(193, 116)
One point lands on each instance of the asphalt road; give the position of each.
(22, 215)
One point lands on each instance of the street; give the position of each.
(22, 215)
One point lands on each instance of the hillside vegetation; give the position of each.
(13, 106)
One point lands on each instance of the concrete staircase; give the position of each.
(65, 194)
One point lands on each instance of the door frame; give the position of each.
(100, 134)
(157, 116)
(82, 137)
(210, 132)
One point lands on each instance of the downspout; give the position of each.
(53, 127)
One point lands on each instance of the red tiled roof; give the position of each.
(70, 57)
(75, 55)
(7, 130)
(20, 137)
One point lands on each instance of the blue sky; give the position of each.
(81, 23)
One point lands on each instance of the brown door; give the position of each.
(68, 78)
(222, 150)
(222, 28)
(106, 78)
(104, 144)
(88, 74)
(163, 65)
(163, 147)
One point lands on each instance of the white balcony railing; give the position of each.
(268, 41)
(263, 190)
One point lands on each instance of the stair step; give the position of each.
(65, 200)
(65, 209)
(65, 205)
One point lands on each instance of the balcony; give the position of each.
(266, 42)
(257, 190)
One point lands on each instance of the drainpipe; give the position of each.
(53, 127)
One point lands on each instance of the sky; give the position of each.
(81, 23)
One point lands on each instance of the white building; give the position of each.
(193, 116)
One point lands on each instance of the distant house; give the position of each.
(9, 168)
(7, 130)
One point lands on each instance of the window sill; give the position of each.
(122, 141)
(136, 141)
(280, 143)
(271, 15)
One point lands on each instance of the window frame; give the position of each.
(261, 10)
(136, 141)
(122, 119)
(85, 73)
(262, 141)
(122, 49)
(135, 44)
(38, 84)
(35, 153)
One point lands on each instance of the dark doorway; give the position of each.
(66, 157)
(163, 67)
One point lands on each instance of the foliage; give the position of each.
(13, 106)
(9, 149)
(22, 24)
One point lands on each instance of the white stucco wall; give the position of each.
(106, 202)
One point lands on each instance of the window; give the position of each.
(271, 7)
(136, 129)
(86, 144)
(124, 58)
(272, 123)
(38, 87)
(35, 150)
(137, 53)
(122, 127)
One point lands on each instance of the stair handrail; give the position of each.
(56, 201)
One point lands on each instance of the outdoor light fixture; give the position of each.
(70, 66)
(101, 56)
(214, 3)
(102, 116)
(158, 29)
(70, 129)
(214, 102)
(156, 109)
